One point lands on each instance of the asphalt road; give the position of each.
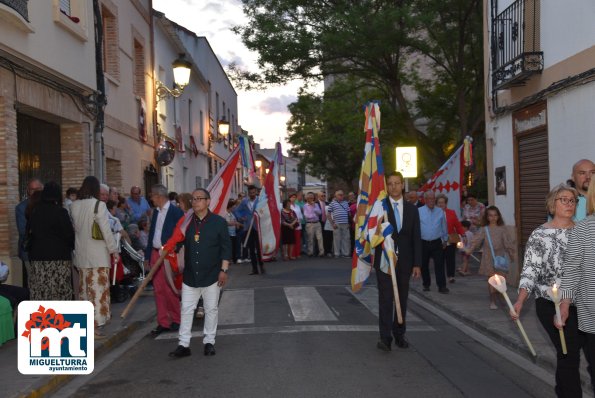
(298, 331)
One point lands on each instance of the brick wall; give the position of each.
(9, 178)
(75, 154)
(113, 171)
(111, 48)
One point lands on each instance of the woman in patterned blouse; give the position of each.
(542, 268)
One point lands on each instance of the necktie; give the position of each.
(397, 216)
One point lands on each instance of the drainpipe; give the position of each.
(100, 99)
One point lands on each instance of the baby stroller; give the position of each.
(130, 272)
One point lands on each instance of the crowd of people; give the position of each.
(69, 245)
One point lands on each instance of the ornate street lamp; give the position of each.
(181, 68)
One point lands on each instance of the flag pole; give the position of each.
(393, 277)
(146, 281)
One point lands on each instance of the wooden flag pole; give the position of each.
(249, 231)
(393, 277)
(143, 285)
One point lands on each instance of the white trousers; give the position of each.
(190, 297)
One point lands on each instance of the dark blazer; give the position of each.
(408, 240)
(172, 217)
(52, 233)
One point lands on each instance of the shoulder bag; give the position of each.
(95, 230)
(501, 263)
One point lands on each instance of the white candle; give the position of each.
(556, 301)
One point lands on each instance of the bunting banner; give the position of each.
(449, 179)
(370, 228)
(268, 213)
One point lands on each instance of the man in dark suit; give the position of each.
(163, 223)
(246, 211)
(404, 218)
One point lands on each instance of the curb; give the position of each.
(53, 383)
(519, 348)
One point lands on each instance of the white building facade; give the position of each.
(192, 120)
(540, 91)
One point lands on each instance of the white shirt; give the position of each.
(399, 206)
(159, 225)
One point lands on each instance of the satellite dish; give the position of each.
(165, 153)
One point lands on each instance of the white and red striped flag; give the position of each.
(220, 186)
(268, 213)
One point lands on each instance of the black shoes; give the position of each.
(401, 342)
(180, 352)
(174, 326)
(443, 290)
(159, 329)
(383, 345)
(209, 349)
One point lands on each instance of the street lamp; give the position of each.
(223, 127)
(282, 179)
(181, 68)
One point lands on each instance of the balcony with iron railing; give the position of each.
(20, 6)
(515, 44)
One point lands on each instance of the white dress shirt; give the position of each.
(159, 225)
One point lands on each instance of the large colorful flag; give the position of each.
(268, 212)
(371, 226)
(449, 179)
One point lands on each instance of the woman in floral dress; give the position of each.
(542, 268)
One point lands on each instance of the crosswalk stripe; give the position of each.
(369, 298)
(236, 307)
(294, 329)
(307, 305)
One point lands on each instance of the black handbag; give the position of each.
(95, 230)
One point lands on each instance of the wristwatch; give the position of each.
(224, 270)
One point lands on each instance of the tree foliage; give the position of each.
(422, 59)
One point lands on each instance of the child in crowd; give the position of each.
(467, 238)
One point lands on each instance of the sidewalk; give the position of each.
(14, 384)
(468, 301)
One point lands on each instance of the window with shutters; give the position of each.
(71, 15)
(139, 69)
(111, 53)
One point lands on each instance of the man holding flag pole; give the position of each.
(387, 236)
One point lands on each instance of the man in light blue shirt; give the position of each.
(434, 236)
(582, 171)
(138, 205)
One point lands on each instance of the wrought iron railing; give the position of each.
(19, 6)
(515, 44)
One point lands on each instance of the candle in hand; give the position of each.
(460, 245)
(555, 292)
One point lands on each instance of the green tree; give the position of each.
(391, 47)
(327, 131)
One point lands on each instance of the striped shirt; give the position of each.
(339, 211)
(578, 273)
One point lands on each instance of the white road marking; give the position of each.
(296, 329)
(368, 296)
(237, 307)
(307, 305)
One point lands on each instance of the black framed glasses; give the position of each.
(198, 198)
